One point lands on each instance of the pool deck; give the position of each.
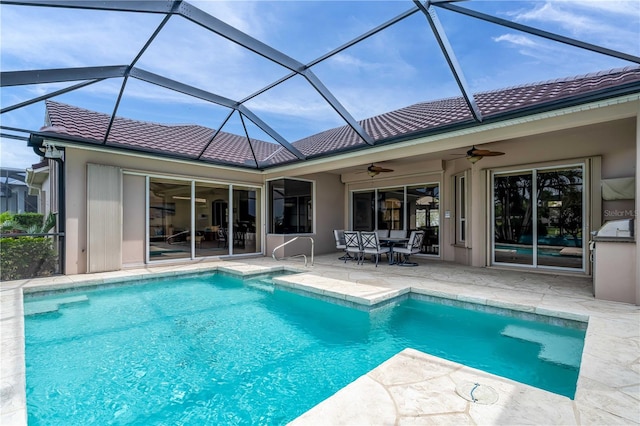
(412, 387)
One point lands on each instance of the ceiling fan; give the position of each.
(375, 170)
(474, 154)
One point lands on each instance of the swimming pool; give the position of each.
(175, 352)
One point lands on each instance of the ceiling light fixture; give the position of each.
(473, 159)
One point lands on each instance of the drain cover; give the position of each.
(478, 393)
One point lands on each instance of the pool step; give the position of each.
(264, 284)
(48, 306)
(564, 350)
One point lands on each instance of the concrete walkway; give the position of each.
(413, 387)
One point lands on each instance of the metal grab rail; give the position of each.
(273, 253)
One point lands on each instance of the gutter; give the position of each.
(37, 143)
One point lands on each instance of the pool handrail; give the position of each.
(273, 253)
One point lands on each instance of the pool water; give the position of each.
(215, 349)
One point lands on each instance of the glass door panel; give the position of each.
(513, 218)
(246, 217)
(559, 218)
(169, 219)
(391, 208)
(423, 205)
(363, 211)
(211, 219)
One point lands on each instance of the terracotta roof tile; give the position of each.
(189, 140)
(185, 140)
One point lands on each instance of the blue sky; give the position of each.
(397, 67)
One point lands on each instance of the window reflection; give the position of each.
(169, 219)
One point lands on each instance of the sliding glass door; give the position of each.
(560, 218)
(364, 210)
(405, 208)
(190, 219)
(391, 208)
(423, 207)
(169, 219)
(538, 218)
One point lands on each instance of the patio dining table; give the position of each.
(392, 242)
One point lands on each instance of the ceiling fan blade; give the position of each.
(483, 152)
(378, 169)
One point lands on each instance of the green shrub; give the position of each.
(28, 220)
(26, 257)
(6, 216)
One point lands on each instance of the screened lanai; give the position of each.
(263, 84)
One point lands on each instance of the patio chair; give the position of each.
(338, 234)
(397, 233)
(354, 244)
(413, 246)
(371, 245)
(222, 238)
(382, 233)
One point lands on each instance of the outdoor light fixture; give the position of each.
(50, 151)
(473, 159)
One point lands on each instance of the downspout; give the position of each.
(36, 143)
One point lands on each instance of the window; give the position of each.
(461, 208)
(291, 204)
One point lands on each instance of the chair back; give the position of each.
(397, 233)
(370, 240)
(352, 239)
(338, 234)
(222, 234)
(415, 241)
(382, 233)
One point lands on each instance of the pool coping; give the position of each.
(618, 390)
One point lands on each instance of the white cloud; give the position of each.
(247, 18)
(16, 154)
(71, 39)
(611, 23)
(516, 39)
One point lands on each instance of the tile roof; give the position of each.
(187, 141)
(181, 140)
